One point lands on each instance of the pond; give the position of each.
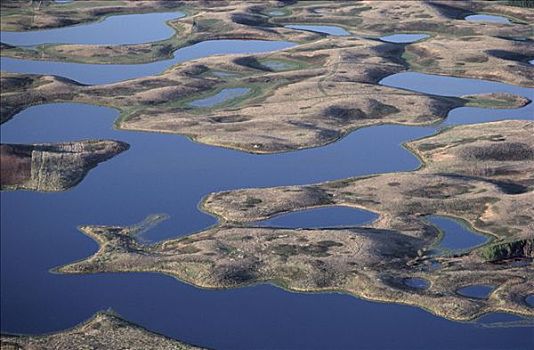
(276, 13)
(142, 28)
(456, 236)
(170, 174)
(333, 216)
(417, 283)
(277, 65)
(488, 19)
(477, 291)
(176, 174)
(404, 38)
(111, 73)
(330, 30)
(222, 96)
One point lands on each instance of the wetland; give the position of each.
(290, 174)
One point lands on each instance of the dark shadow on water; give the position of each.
(478, 291)
(334, 216)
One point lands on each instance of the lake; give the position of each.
(170, 174)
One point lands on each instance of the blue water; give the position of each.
(331, 30)
(530, 300)
(334, 216)
(417, 283)
(478, 291)
(224, 95)
(488, 18)
(170, 174)
(451, 86)
(276, 65)
(185, 171)
(110, 73)
(276, 13)
(113, 30)
(404, 38)
(455, 235)
(504, 320)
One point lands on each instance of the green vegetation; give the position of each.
(523, 248)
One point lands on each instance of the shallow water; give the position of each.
(110, 73)
(455, 235)
(331, 30)
(334, 216)
(488, 18)
(276, 65)
(478, 291)
(170, 174)
(451, 86)
(417, 283)
(404, 38)
(142, 28)
(504, 320)
(224, 95)
(276, 13)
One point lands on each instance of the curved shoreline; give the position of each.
(214, 227)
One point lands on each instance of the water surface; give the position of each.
(488, 18)
(110, 73)
(222, 96)
(330, 30)
(333, 216)
(456, 236)
(404, 38)
(451, 86)
(477, 291)
(176, 174)
(187, 171)
(276, 13)
(417, 283)
(113, 30)
(169, 174)
(277, 65)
